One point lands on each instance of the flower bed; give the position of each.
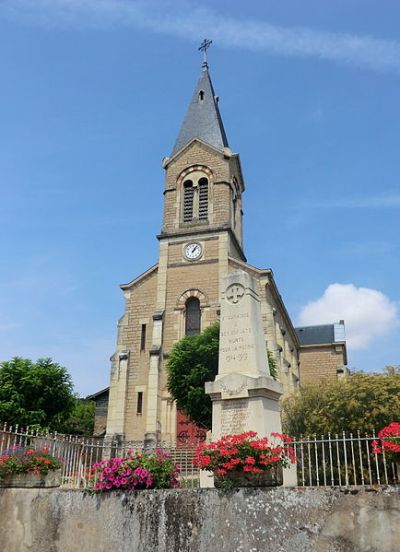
(29, 467)
(235, 458)
(137, 471)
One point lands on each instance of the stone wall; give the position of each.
(257, 520)
(321, 362)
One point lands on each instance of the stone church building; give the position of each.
(201, 240)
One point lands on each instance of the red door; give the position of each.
(188, 434)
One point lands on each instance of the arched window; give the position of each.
(201, 95)
(203, 199)
(192, 316)
(188, 197)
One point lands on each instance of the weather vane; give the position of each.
(204, 47)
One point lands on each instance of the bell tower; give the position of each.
(201, 231)
(204, 183)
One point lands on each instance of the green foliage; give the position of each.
(359, 401)
(192, 362)
(35, 393)
(80, 421)
(272, 364)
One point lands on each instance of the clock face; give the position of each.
(193, 251)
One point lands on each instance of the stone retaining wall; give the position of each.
(254, 520)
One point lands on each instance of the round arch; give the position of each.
(193, 292)
(185, 174)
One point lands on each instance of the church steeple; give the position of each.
(204, 182)
(203, 119)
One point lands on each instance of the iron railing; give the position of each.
(78, 454)
(342, 460)
(339, 460)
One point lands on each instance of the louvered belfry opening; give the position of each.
(188, 197)
(196, 197)
(203, 199)
(192, 316)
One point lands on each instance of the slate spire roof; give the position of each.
(203, 119)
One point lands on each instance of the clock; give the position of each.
(193, 251)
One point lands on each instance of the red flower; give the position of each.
(244, 452)
(389, 444)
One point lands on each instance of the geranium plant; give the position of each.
(389, 442)
(246, 453)
(19, 459)
(137, 471)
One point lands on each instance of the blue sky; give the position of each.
(92, 96)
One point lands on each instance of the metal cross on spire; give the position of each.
(203, 48)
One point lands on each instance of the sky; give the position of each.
(92, 95)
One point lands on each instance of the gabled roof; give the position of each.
(136, 280)
(95, 395)
(203, 119)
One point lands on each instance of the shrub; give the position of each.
(357, 402)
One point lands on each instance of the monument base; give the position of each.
(244, 403)
(269, 478)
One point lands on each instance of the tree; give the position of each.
(35, 393)
(81, 419)
(390, 370)
(359, 401)
(192, 362)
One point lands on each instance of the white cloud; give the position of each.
(367, 313)
(184, 19)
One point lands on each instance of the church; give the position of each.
(200, 242)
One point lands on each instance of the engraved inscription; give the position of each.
(234, 416)
(235, 342)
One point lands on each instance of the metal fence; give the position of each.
(78, 454)
(343, 460)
